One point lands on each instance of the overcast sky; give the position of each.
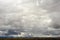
(34, 16)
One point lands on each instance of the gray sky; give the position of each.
(34, 16)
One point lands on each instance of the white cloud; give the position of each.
(29, 16)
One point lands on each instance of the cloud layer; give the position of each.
(36, 17)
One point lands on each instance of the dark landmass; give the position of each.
(50, 38)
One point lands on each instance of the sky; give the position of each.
(36, 17)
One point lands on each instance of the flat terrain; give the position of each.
(29, 38)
